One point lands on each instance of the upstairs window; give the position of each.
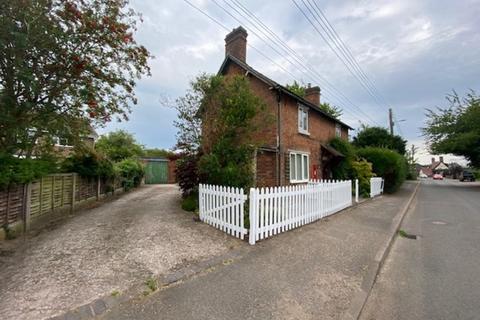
(338, 130)
(302, 119)
(299, 164)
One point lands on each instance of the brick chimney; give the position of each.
(433, 160)
(441, 159)
(236, 43)
(312, 94)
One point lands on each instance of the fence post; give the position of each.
(356, 190)
(98, 188)
(27, 206)
(252, 215)
(74, 182)
(200, 202)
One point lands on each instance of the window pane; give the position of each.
(292, 167)
(300, 119)
(305, 120)
(299, 166)
(305, 167)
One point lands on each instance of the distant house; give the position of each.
(294, 148)
(65, 148)
(433, 168)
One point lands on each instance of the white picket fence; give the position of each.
(272, 210)
(279, 209)
(376, 186)
(222, 207)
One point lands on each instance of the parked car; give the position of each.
(437, 176)
(467, 176)
(422, 175)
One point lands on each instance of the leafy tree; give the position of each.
(65, 64)
(296, 88)
(387, 164)
(379, 137)
(300, 90)
(229, 109)
(158, 153)
(188, 121)
(88, 163)
(456, 129)
(335, 112)
(119, 145)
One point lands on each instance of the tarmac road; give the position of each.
(436, 276)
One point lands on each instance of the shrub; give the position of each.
(88, 163)
(362, 170)
(131, 172)
(387, 164)
(343, 170)
(190, 203)
(187, 174)
(19, 171)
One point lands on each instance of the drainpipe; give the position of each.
(279, 135)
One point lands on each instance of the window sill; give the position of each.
(299, 181)
(306, 133)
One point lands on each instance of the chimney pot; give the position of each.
(236, 43)
(441, 158)
(312, 94)
(433, 159)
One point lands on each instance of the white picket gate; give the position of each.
(376, 186)
(279, 209)
(222, 207)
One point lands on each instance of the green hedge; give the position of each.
(130, 171)
(88, 163)
(19, 171)
(387, 164)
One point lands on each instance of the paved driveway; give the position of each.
(112, 247)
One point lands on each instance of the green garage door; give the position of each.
(156, 172)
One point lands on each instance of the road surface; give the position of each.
(436, 276)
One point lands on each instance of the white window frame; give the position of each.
(57, 141)
(338, 130)
(303, 121)
(294, 169)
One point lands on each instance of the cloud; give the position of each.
(415, 52)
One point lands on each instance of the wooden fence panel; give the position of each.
(11, 205)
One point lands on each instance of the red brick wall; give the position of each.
(321, 130)
(172, 165)
(266, 169)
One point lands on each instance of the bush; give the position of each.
(190, 203)
(89, 163)
(362, 170)
(131, 172)
(186, 173)
(387, 164)
(19, 171)
(343, 170)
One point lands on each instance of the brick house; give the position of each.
(294, 147)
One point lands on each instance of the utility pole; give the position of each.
(390, 120)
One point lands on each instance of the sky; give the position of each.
(413, 52)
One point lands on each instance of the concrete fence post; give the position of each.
(27, 206)
(74, 182)
(98, 188)
(356, 190)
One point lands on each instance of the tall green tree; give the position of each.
(381, 138)
(296, 88)
(119, 145)
(456, 128)
(329, 109)
(230, 109)
(65, 64)
(189, 122)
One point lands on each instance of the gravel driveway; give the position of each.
(109, 248)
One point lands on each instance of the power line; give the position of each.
(279, 43)
(341, 55)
